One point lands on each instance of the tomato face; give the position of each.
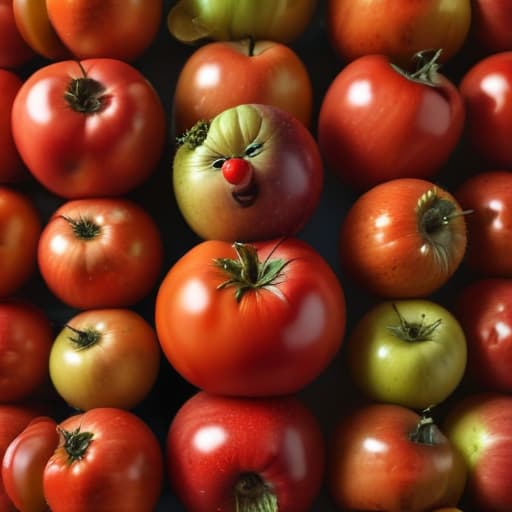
(14, 51)
(269, 334)
(108, 460)
(410, 352)
(403, 239)
(491, 21)
(282, 185)
(405, 460)
(415, 124)
(398, 30)
(100, 253)
(223, 452)
(221, 75)
(105, 345)
(488, 195)
(487, 92)
(89, 128)
(20, 227)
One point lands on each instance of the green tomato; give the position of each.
(409, 352)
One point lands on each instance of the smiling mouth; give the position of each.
(246, 196)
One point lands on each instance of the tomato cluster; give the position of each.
(253, 257)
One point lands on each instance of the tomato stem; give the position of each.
(84, 339)
(252, 494)
(85, 94)
(76, 443)
(83, 228)
(413, 331)
(427, 68)
(426, 431)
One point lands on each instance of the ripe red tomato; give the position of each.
(397, 29)
(486, 89)
(20, 227)
(253, 320)
(387, 457)
(226, 453)
(14, 51)
(490, 22)
(221, 75)
(108, 460)
(24, 462)
(99, 253)
(403, 238)
(489, 196)
(89, 128)
(415, 122)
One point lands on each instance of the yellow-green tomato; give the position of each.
(408, 352)
(105, 358)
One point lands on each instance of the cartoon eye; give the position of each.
(219, 163)
(253, 149)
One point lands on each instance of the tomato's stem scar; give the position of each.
(252, 494)
(85, 94)
(83, 227)
(85, 338)
(75, 443)
(413, 331)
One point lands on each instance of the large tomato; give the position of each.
(226, 453)
(97, 253)
(403, 238)
(107, 460)
(397, 29)
(20, 227)
(89, 128)
(14, 51)
(99, 346)
(224, 74)
(387, 457)
(261, 319)
(378, 123)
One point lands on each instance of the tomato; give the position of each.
(226, 453)
(89, 128)
(487, 323)
(491, 21)
(105, 28)
(403, 238)
(20, 227)
(415, 121)
(100, 253)
(14, 51)
(254, 320)
(486, 88)
(96, 346)
(224, 74)
(408, 352)
(488, 195)
(24, 462)
(108, 460)
(397, 29)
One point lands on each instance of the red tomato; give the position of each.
(98, 253)
(228, 454)
(491, 21)
(24, 462)
(20, 227)
(403, 239)
(89, 128)
(387, 457)
(106, 28)
(484, 309)
(221, 75)
(14, 51)
(397, 29)
(489, 196)
(377, 124)
(108, 460)
(253, 320)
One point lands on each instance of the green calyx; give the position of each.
(83, 339)
(83, 227)
(85, 94)
(427, 68)
(426, 431)
(413, 331)
(252, 494)
(76, 443)
(195, 136)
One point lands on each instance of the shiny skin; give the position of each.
(370, 449)
(214, 440)
(486, 89)
(74, 154)
(126, 355)
(24, 462)
(480, 427)
(26, 337)
(484, 309)
(488, 195)
(491, 21)
(397, 29)
(287, 176)
(223, 74)
(383, 250)
(121, 470)
(275, 340)
(14, 51)
(375, 124)
(116, 267)
(20, 227)
(418, 371)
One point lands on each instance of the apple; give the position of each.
(480, 427)
(491, 25)
(253, 172)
